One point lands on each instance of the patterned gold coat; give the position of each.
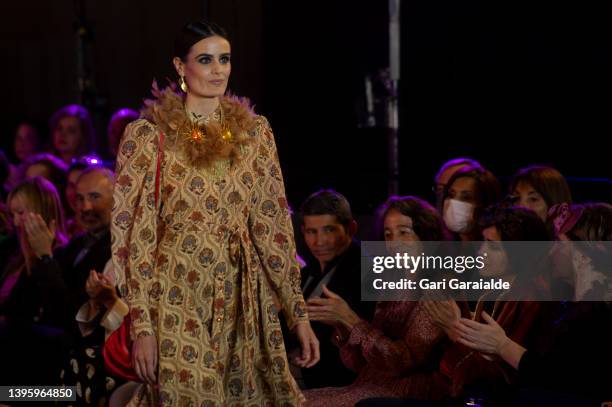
(200, 266)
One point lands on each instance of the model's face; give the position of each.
(207, 67)
(26, 142)
(67, 136)
(528, 197)
(325, 237)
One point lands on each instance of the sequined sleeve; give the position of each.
(398, 355)
(274, 240)
(134, 221)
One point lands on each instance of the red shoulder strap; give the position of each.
(160, 156)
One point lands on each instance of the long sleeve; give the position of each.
(39, 297)
(465, 366)
(134, 221)
(274, 240)
(368, 343)
(89, 316)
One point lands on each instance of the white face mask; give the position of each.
(458, 215)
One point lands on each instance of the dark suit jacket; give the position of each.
(33, 327)
(38, 298)
(76, 273)
(346, 282)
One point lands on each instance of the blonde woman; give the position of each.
(32, 296)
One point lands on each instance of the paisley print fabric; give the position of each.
(200, 267)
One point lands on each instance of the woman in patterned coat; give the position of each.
(202, 231)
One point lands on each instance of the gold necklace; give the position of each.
(226, 133)
(197, 133)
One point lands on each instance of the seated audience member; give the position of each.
(539, 188)
(328, 228)
(33, 311)
(8, 240)
(90, 250)
(97, 318)
(518, 316)
(447, 170)
(463, 373)
(26, 142)
(75, 170)
(469, 191)
(592, 262)
(572, 372)
(5, 173)
(119, 120)
(72, 133)
(401, 338)
(80, 262)
(47, 166)
(50, 167)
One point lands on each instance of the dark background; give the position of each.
(507, 83)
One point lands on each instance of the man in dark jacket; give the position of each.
(328, 228)
(92, 249)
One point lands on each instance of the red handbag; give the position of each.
(117, 353)
(117, 350)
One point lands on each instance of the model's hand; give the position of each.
(40, 236)
(144, 360)
(331, 309)
(309, 343)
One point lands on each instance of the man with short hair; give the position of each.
(328, 228)
(91, 292)
(90, 250)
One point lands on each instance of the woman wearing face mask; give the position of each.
(539, 188)
(202, 232)
(572, 371)
(468, 191)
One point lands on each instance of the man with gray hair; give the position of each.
(92, 249)
(91, 293)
